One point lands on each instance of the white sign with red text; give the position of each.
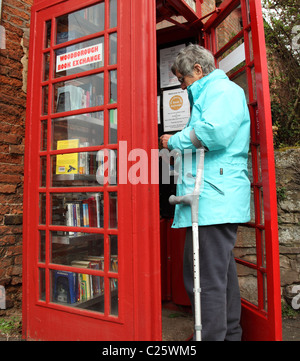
(80, 57)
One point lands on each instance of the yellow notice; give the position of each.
(176, 102)
(67, 163)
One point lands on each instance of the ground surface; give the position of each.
(178, 326)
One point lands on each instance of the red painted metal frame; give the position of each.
(139, 248)
(262, 321)
(145, 197)
(138, 236)
(184, 9)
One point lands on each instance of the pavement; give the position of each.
(177, 325)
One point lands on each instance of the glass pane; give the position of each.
(80, 57)
(245, 248)
(113, 48)
(113, 126)
(78, 290)
(114, 297)
(42, 248)
(113, 14)
(74, 169)
(42, 208)
(113, 86)
(77, 210)
(248, 283)
(265, 292)
(263, 248)
(83, 250)
(259, 178)
(43, 169)
(229, 28)
(45, 100)
(77, 131)
(44, 127)
(261, 202)
(80, 23)
(46, 66)
(79, 93)
(113, 210)
(113, 242)
(42, 284)
(250, 45)
(107, 166)
(191, 3)
(241, 80)
(248, 11)
(233, 59)
(47, 34)
(84, 168)
(252, 207)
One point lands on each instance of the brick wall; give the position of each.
(13, 73)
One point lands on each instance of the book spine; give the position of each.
(84, 160)
(69, 217)
(98, 210)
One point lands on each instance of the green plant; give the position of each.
(281, 19)
(10, 326)
(287, 311)
(281, 193)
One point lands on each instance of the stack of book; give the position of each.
(85, 213)
(71, 287)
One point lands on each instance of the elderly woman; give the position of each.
(220, 122)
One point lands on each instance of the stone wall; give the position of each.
(288, 194)
(287, 164)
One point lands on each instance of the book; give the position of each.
(67, 163)
(84, 160)
(69, 217)
(92, 211)
(65, 287)
(85, 213)
(114, 263)
(69, 97)
(89, 286)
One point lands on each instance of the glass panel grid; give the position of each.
(79, 112)
(80, 23)
(229, 28)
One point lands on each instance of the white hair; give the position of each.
(191, 55)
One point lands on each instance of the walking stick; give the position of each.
(193, 200)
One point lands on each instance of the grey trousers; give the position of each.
(220, 294)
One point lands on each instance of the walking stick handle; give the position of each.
(187, 199)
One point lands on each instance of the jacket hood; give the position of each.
(196, 88)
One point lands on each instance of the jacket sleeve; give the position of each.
(185, 139)
(215, 121)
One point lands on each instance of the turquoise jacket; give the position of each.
(220, 122)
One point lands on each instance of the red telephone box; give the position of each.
(91, 220)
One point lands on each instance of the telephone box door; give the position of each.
(90, 269)
(235, 35)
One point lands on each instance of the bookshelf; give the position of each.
(79, 93)
(80, 23)
(88, 128)
(78, 193)
(75, 247)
